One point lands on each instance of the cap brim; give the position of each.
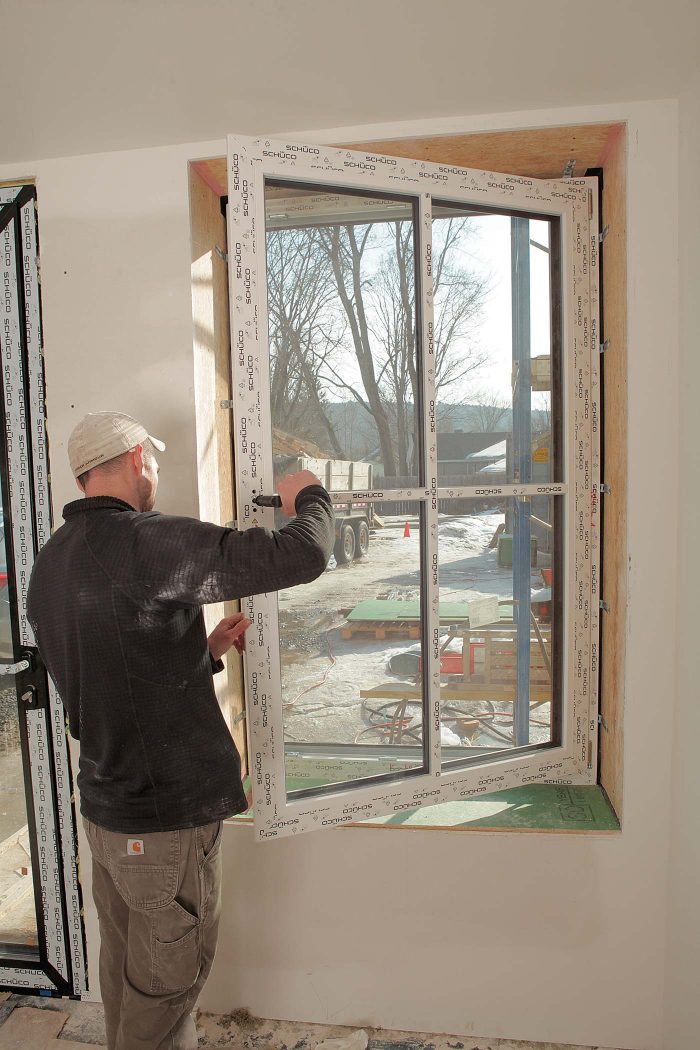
(160, 445)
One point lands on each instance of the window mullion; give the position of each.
(430, 584)
(387, 495)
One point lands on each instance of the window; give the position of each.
(41, 934)
(425, 339)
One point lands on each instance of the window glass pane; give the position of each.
(17, 909)
(344, 375)
(496, 304)
(351, 654)
(500, 672)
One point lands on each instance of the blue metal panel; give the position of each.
(522, 464)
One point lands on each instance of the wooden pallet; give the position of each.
(380, 629)
(489, 656)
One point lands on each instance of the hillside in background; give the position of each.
(357, 433)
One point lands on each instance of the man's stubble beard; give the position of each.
(147, 494)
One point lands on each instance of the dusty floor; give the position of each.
(58, 1024)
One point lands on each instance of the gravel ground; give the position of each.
(322, 673)
(13, 812)
(9, 726)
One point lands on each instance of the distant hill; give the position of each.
(358, 436)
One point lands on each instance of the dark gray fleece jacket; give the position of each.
(115, 603)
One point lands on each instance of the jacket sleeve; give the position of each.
(185, 562)
(216, 665)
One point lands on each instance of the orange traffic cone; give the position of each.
(406, 531)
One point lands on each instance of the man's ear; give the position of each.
(137, 458)
(80, 485)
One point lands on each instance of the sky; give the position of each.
(486, 251)
(489, 254)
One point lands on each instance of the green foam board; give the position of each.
(376, 609)
(537, 807)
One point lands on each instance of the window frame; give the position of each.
(57, 964)
(250, 162)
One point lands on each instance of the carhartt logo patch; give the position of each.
(134, 847)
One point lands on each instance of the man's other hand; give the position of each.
(229, 631)
(290, 487)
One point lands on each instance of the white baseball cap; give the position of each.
(100, 436)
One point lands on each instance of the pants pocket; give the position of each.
(209, 841)
(176, 949)
(146, 886)
(148, 876)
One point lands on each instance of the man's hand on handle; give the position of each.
(290, 487)
(229, 631)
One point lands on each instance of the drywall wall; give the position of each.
(532, 937)
(529, 936)
(683, 1003)
(110, 75)
(117, 307)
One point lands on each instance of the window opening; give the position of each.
(414, 358)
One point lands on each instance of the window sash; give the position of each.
(250, 162)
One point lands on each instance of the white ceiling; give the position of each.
(89, 75)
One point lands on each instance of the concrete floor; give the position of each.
(60, 1024)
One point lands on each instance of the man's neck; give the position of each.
(122, 492)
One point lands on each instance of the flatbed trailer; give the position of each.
(353, 521)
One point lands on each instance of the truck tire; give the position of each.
(344, 548)
(361, 539)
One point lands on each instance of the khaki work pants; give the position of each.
(158, 900)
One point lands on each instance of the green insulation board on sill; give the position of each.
(537, 807)
(381, 609)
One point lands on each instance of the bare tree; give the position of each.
(381, 314)
(459, 294)
(542, 413)
(393, 298)
(489, 410)
(300, 288)
(345, 247)
(342, 309)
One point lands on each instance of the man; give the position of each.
(115, 603)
